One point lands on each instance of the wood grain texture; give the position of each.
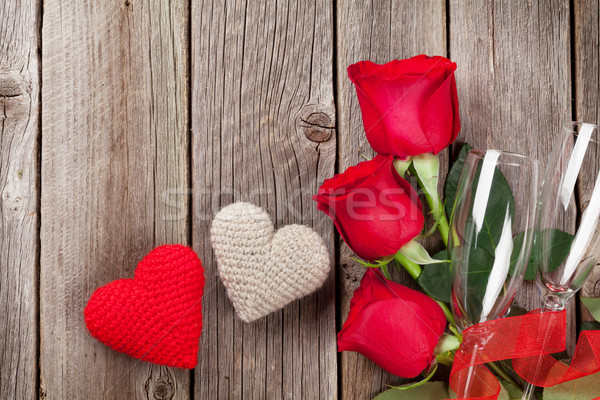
(262, 102)
(115, 163)
(114, 179)
(587, 85)
(514, 82)
(380, 32)
(19, 190)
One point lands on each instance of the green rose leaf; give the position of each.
(513, 391)
(589, 326)
(516, 310)
(593, 306)
(553, 256)
(427, 391)
(416, 253)
(585, 388)
(427, 168)
(499, 202)
(446, 344)
(436, 279)
(423, 381)
(499, 198)
(503, 395)
(453, 177)
(480, 265)
(514, 257)
(402, 166)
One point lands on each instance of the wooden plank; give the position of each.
(114, 179)
(514, 82)
(587, 83)
(380, 32)
(19, 191)
(263, 131)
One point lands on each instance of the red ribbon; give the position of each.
(528, 340)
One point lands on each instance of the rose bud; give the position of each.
(375, 211)
(409, 107)
(395, 327)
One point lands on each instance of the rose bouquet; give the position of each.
(410, 114)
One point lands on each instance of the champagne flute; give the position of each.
(491, 236)
(565, 250)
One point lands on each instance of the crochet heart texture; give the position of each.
(263, 270)
(157, 316)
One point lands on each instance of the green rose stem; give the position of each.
(447, 313)
(426, 167)
(437, 210)
(414, 270)
(411, 267)
(500, 372)
(438, 213)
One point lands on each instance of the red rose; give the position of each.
(375, 211)
(409, 107)
(395, 327)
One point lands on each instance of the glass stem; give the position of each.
(554, 303)
(528, 391)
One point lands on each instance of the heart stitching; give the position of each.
(157, 316)
(261, 270)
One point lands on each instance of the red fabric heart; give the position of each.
(157, 316)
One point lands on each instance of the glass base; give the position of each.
(554, 303)
(555, 298)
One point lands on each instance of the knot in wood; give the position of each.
(317, 126)
(163, 390)
(11, 197)
(12, 84)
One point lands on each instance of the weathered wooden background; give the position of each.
(127, 124)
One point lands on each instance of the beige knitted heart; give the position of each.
(264, 271)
